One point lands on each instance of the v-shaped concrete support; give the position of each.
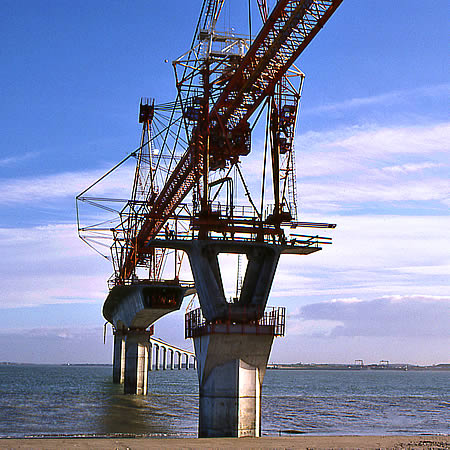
(232, 365)
(261, 266)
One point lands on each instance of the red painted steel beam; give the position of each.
(185, 175)
(286, 33)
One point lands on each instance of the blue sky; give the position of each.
(372, 156)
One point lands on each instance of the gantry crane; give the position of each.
(221, 134)
(223, 82)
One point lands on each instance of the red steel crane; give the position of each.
(222, 133)
(223, 82)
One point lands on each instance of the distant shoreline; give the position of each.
(297, 366)
(357, 367)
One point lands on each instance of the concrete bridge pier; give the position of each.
(132, 309)
(172, 359)
(232, 340)
(119, 357)
(136, 362)
(164, 358)
(157, 356)
(231, 369)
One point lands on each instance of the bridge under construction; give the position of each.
(197, 202)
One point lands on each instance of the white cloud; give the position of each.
(347, 300)
(344, 149)
(12, 160)
(386, 316)
(370, 255)
(55, 241)
(366, 166)
(389, 98)
(417, 298)
(312, 327)
(352, 194)
(399, 140)
(443, 269)
(64, 185)
(338, 169)
(405, 168)
(44, 265)
(374, 167)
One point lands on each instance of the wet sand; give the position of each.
(299, 442)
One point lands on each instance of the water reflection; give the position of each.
(166, 410)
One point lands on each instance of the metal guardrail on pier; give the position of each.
(273, 322)
(113, 281)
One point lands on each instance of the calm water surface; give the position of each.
(71, 400)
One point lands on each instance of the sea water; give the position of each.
(82, 401)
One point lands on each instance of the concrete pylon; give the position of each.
(231, 369)
(119, 357)
(233, 345)
(136, 362)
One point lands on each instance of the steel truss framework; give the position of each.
(225, 82)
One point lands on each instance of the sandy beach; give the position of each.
(300, 442)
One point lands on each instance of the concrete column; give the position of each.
(231, 369)
(156, 357)
(150, 356)
(136, 362)
(187, 361)
(119, 357)
(164, 358)
(179, 360)
(172, 359)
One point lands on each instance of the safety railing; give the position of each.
(115, 281)
(294, 240)
(273, 322)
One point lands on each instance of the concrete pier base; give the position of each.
(119, 357)
(131, 309)
(231, 369)
(136, 362)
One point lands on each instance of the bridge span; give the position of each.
(167, 356)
